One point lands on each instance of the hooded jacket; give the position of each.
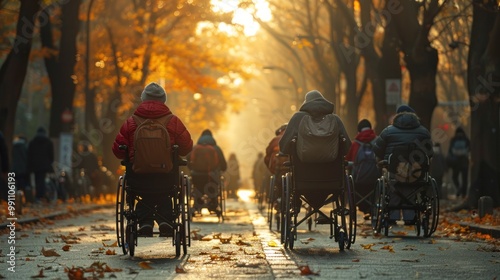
(405, 129)
(207, 138)
(365, 136)
(316, 107)
(40, 152)
(179, 135)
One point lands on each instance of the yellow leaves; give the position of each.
(367, 246)
(97, 269)
(111, 245)
(388, 248)
(49, 253)
(272, 243)
(110, 252)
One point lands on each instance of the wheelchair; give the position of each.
(405, 185)
(127, 199)
(212, 196)
(312, 186)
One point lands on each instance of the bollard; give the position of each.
(485, 206)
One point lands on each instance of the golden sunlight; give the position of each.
(244, 16)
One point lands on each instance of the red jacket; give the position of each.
(364, 136)
(179, 135)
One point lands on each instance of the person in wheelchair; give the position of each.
(405, 131)
(274, 161)
(317, 107)
(153, 188)
(206, 162)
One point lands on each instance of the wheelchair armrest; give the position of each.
(383, 163)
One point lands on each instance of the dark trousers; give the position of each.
(154, 207)
(205, 190)
(40, 184)
(463, 173)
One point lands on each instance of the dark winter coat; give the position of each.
(4, 156)
(365, 136)
(20, 156)
(40, 153)
(458, 161)
(405, 129)
(315, 108)
(151, 109)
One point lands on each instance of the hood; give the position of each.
(152, 109)
(406, 120)
(318, 107)
(206, 139)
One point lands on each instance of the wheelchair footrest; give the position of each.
(323, 221)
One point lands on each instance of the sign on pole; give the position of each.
(393, 91)
(66, 151)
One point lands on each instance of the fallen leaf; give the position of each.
(145, 265)
(50, 253)
(272, 243)
(112, 245)
(355, 260)
(75, 273)
(305, 270)
(410, 260)
(180, 269)
(110, 252)
(367, 246)
(66, 247)
(39, 275)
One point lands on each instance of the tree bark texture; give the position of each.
(13, 70)
(484, 93)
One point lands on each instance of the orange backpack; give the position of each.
(152, 148)
(203, 158)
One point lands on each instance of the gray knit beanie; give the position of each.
(154, 91)
(313, 95)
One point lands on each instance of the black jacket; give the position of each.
(40, 153)
(405, 129)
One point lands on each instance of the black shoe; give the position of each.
(166, 230)
(145, 231)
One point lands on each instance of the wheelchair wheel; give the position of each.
(221, 214)
(177, 241)
(185, 227)
(270, 202)
(286, 219)
(351, 207)
(131, 238)
(120, 218)
(431, 212)
(282, 206)
(341, 224)
(378, 208)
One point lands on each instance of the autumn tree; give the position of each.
(13, 70)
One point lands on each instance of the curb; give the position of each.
(493, 231)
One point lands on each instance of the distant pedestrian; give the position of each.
(458, 160)
(40, 160)
(4, 167)
(438, 167)
(260, 176)
(90, 165)
(232, 176)
(20, 164)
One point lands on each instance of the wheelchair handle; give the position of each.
(383, 163)
(126, 160)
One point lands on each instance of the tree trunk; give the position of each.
(13, 71)
(484, 92)
(61, 68)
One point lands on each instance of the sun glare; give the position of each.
(243, 16)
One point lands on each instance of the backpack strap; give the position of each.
(163, 119)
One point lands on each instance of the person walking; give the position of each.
(20, 166)
(4, 167)
(206, 162)
(40, 160)
(152, 186)
(458, 160)
(232, 176)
